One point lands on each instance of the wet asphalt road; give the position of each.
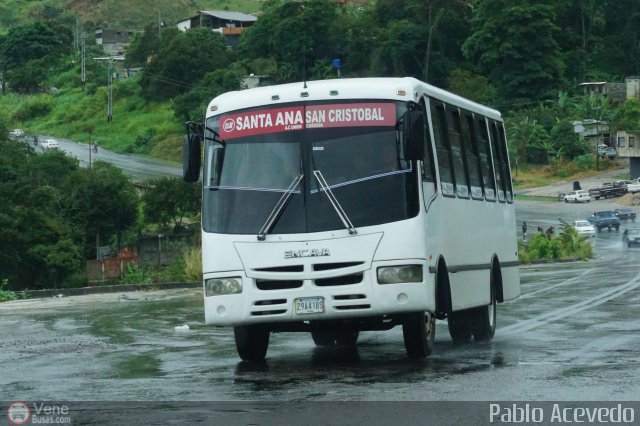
(573, 335)
(138, 167)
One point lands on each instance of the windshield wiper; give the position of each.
(277, 209)
(334, 202)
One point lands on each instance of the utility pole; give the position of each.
(83, 72)
(110, 60)
(110, 96)
(159, 25)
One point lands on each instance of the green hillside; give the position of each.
(117, 13)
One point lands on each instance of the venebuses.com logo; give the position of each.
(18, 413)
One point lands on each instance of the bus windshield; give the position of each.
(363, 166)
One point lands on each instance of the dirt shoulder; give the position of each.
(567, 185)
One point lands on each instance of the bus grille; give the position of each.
(269, 307)
(341, 280)
(278, 284)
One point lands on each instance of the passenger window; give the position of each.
(498, 162)
(438, 123)
(428, 172)
(484, 153)
(455, 142)
(502, 140)
(470, 148)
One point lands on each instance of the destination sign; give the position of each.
(297, 118)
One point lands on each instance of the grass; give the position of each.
(534, 176)
(81, 116)
(525, 197)
(120, 14)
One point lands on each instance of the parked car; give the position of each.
(49, 144)
(606, 151)
(632, 186)
(17, 133)
(584, 227)
(625, 213)
(581, 196)
(608, 189)
(604, 219)
(631, 236)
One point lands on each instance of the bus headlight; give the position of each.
(400, 274)
(222, 286)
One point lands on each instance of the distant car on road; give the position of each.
(604, 219)
(49, 144)
(584, 227)
(625, 213)
(17, 133)
(580, 196)
(631, 236)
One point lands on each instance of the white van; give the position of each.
(50, 144)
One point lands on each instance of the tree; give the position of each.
(294, 35)
(170, 200)
(420, 38)
(191, 105)
(183, 60)
(472, 86)
(627, 116)
(29, 52)
(513, 44)
(100, 203)
(142, 47)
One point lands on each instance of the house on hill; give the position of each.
(114, 41)
(228, 24)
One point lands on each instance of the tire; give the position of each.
(617, 228)
(252, 342)
(566, 201)
(323, 338)
(459, 327)
(418, 331)
(483, 320)
(347, 338)
(340, 338)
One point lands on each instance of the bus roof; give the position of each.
(400, 89)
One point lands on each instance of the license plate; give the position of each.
(308, 305)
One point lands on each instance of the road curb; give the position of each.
(38, 294)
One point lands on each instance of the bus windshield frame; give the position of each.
(249, 165)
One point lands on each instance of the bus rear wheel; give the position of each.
(252, 342)
(418, 331)
(459, 326)
(483, 323)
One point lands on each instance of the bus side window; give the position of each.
(428, 172)
(498, 162)
(442, 148)
(505, 155)
(470, 146)
(484, 153)
(457, 155)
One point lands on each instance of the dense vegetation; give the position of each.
(54, 214)
(525, 58)
(567, 245)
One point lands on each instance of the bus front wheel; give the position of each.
(419, 330)
(252, 342)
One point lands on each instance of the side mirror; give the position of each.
(413, 135)
(191, 157)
